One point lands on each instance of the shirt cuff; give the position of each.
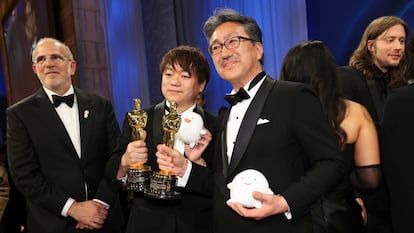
(102, 202)
(288, 214)
(66, 207)
(124, 179)
(182, 181)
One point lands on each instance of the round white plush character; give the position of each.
(243, 185)
(191, 128)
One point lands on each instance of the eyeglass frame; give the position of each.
(209, 49)
(55, 58)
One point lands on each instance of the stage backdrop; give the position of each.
(138, 33)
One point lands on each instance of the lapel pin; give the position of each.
(86, 114)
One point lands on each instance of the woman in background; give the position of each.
(312, 63)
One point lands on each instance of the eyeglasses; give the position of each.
(230, 43)
(54, 58)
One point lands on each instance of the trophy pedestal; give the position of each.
(138, 178)
(162, 187)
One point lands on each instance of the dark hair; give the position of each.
(361, 58)
(224, 15)
(190, 59)
(312, 63)
(407, 63)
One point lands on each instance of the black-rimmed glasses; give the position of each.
(230, 43)
(54, 58)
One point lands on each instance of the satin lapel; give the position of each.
(199, 110)
(48, 116)
(249, 123)
(86, 113)
(159, 112)
(223, 143)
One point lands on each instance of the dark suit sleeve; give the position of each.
(107, 191)
(201, 179)
(113, 164)
(349, 82)
(25, 167)
(397, 154)
(317, 140)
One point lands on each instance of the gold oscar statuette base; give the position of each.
(162, 186)
(138, 178)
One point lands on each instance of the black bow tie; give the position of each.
(57, 100)
(235, 98)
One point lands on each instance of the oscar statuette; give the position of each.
(162, 183)
(138, 174)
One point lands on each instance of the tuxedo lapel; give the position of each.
(249, 123)
(223, 143)
(86, 113)
(48, 116)
(159, 112)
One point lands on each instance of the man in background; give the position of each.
(58, 142)
(373, 70)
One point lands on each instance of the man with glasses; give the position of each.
(275, 127)
(58, 142)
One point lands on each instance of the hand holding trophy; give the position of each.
(162, 184)
(138, 174)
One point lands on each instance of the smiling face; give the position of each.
(179, 86)
(240, 64)
(388, 48)
(53, 66)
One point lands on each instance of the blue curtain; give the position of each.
(140, 32)
(126, 52)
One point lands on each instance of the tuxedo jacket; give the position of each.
(46, 168)
(354, 86)
(285, 136)
(192, 213)
(397, 158)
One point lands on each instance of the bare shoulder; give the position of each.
(356, 118)
(357, 110)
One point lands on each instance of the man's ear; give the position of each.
(259, 48)
(34, 68)
(202, 86)
(73, 67)
(370, 45)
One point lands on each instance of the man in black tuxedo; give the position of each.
(185, 72)
(277, 128)
(373, 70)
(57, 151)
(398, 160)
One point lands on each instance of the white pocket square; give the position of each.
(262, 121)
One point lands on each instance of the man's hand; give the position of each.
(271, 205)
(135, 153)
(171, 160)
(89, 214)
(194, 154)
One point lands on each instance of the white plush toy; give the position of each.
(191, 128)
(243, 185)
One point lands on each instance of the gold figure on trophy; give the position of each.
(138, 174)
(137, 119)
(171, 124)
(162, 183)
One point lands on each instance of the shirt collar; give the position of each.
(49, 93)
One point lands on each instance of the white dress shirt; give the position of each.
(236, 116)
